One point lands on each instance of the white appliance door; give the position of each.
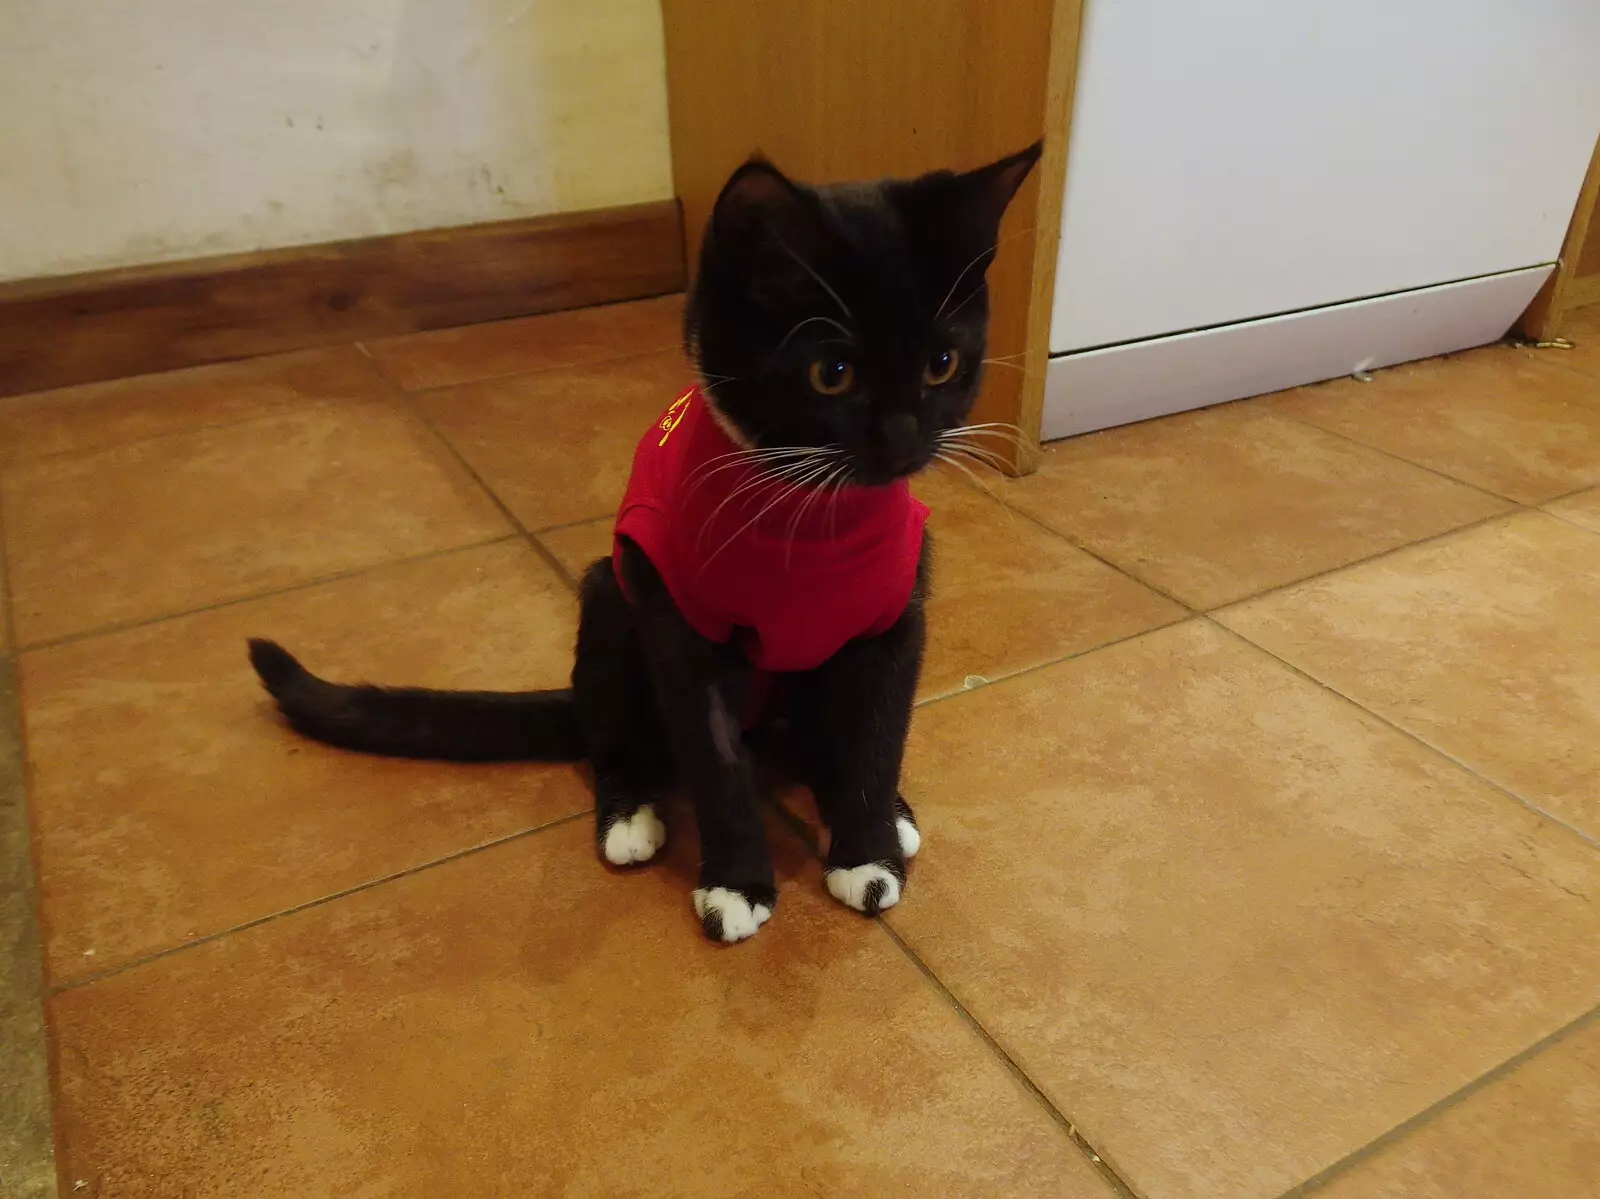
(1246, 159)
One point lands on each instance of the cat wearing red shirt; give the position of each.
(769, 560)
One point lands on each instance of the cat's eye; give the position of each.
(942, 367)
(831, 376)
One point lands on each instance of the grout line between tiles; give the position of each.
(1516, 507)
(538, 547)
(122, 968)
(1568, 521)
(1566, 495)
(1509, 514)
(807, 836)
(1057, 661)
(581, 364)
(1079, 545)
(797, 826)
(1197, 611)
(555, 564)
(337, 577)
(308, 405)
(1410, 736)
(1516, 510)
(1390, 454)
(1328, 1174)
(570, 524)
(1096, 1159)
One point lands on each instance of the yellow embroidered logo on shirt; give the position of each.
(674, 416)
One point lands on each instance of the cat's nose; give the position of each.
(901, 440)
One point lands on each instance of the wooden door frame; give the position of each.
(1566, 289)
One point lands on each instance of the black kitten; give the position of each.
(769, 559)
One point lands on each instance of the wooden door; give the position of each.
(832, 90)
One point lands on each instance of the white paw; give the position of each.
(910, 838)
(728, 916)
(635, 838)
(869, 888)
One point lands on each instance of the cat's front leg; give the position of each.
(854, 712)
(699, 688)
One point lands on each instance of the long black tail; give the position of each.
(408, 722)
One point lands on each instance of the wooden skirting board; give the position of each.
(103, 325)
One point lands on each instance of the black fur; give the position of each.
(874, 283)
(459, 726)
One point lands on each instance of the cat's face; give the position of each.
(853, 317)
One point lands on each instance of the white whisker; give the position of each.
(959, 278)
(977, 453)
(816, 493)
(756, 482)
(833, 500)
(781, 496)
(827, 320)
(973, 449)
(950, 460)
(808, 269)
(1000, 429)
(752, 457)
(794, 522)
(779, 473)
(991, 250)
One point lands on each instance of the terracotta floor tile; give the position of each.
(556, 446)
(136, 531)
(1215, 505)
(1583, 508)
(1485, 644)
(98, 414)
(577, 546)
(1007, 595)
(522, 1022)
(170, 801)
(443, 357)
(1494, 417)
(1534, 1132)
(1232, 926)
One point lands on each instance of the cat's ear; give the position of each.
(987, 192)
(756, 204)
(958, 216)
(762, 232)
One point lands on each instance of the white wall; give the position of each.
(137, 131)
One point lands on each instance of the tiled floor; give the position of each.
(1258, 763)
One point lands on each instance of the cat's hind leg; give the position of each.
(623, 734)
